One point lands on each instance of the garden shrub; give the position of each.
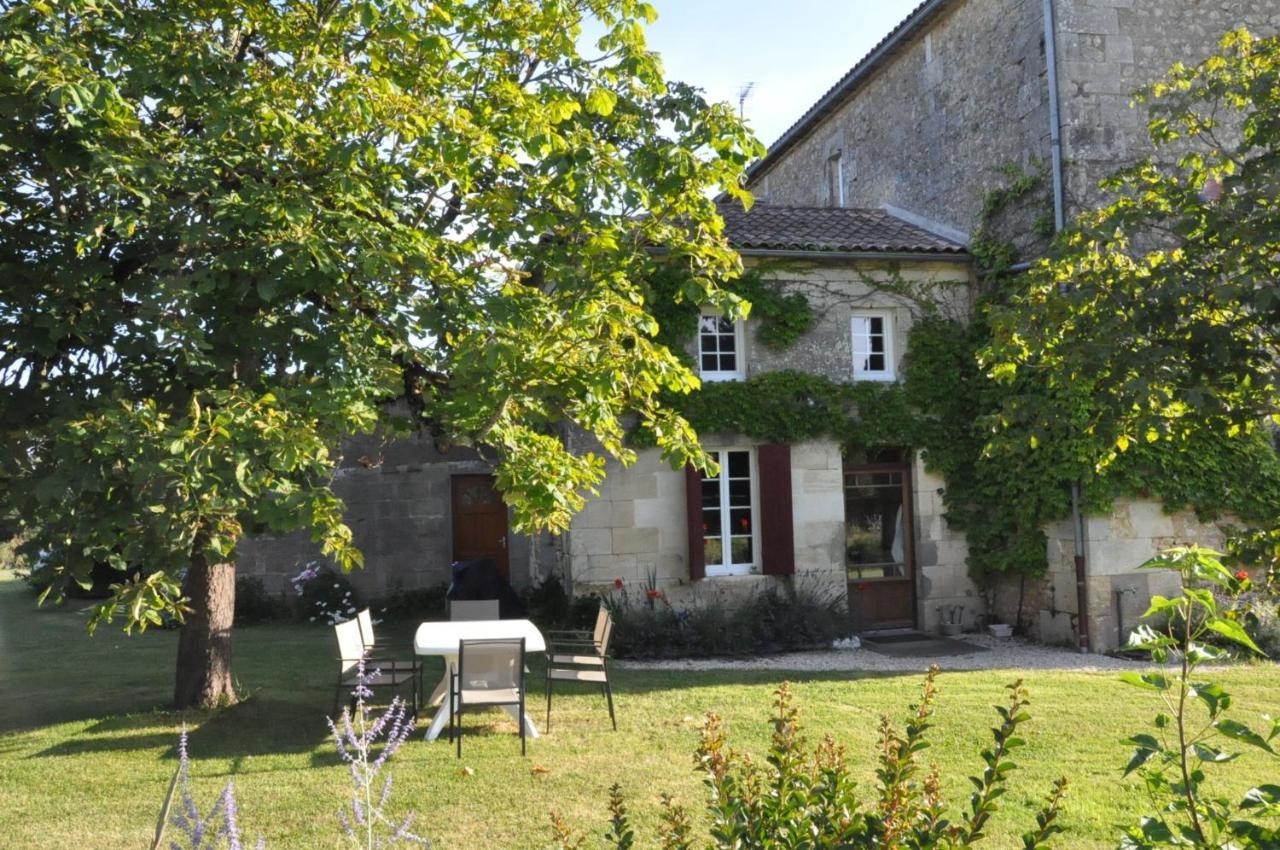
(789, 617)
(801, 797)
(255, 605)
(425, 603)
(1192, 731)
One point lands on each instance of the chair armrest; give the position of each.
(574, 645)
(570, 633)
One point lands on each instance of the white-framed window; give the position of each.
(720, 348)
(872, 333)
(731, 542)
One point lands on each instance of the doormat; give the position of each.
(918, 645)
(895, 637)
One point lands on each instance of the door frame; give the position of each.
(909, 534)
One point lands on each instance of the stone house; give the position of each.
(883, 178)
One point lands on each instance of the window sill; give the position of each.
(876, 379)
(722, 376)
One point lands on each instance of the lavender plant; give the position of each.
(216, 829)
(365, 823)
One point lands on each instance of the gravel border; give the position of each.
(1009, 653)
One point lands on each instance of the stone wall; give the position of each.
(637, 527)
(1107, 49)
(1116, 545)
(944, 591)
(397, 494)
(927, 131)
(836, 290)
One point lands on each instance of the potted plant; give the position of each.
(951, 620)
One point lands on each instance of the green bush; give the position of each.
(791, 617)
(425, 603)
(255, 605)
(806, 798)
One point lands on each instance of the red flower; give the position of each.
(1242, 575)
(653, 594)
(743, 522)
(617, 582)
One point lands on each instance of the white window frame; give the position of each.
(739, 347)
(726, 547)
(889, 373)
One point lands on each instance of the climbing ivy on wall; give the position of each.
(999, 493)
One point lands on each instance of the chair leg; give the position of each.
(608, 695)
(548, 726)
(520, 721)
(457, 715)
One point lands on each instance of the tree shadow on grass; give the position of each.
(254, 727)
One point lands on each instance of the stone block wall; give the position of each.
(943, 587)
(927, 131)
(1116, 545)
(637, 527)
(1107, 49)
(397, 495)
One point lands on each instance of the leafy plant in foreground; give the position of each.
(1194, 729)
(801, 798)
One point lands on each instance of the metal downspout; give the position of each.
(1059, 221)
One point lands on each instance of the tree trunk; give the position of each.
(203, 677)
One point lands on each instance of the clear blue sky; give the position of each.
(793, 50)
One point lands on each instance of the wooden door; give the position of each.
(479, 521)
(880, 545)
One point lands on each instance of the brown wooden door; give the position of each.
(479, 521)
(880, 545)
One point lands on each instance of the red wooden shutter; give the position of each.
(777, 539)
(693, 509)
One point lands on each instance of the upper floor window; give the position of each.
(873, 346)
(720, 348)
(728, 515)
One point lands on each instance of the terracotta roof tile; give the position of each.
(778, 228)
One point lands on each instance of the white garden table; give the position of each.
(443, 639)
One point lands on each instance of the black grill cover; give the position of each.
(481, 579)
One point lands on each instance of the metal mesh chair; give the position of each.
(473, 609)
(581, 656)
(489, 673)
(351, 652)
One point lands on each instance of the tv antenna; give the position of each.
(743, 94)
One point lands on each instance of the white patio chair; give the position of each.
(351, 653)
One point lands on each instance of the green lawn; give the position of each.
(87, 755)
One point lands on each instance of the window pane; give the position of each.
(712, 552)
(708, 363)
(740, 493)
(708, 324)
(875, 325)
(874, 546)
(739, 465)
(861, 326)
(724, 325)
(875, 363)
(741, 550)
(710, 343)
(711, 523)
(740, 521)
(877, 344)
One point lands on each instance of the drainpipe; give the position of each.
(1059, 221)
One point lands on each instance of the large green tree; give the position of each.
(232, 232)
(1162, 308)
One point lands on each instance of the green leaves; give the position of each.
(235, 233)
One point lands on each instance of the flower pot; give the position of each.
(951, 629)
(1000, 630)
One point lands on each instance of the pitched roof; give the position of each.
(836, 95)
(777, 228)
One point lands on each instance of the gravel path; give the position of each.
(1011, 653)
